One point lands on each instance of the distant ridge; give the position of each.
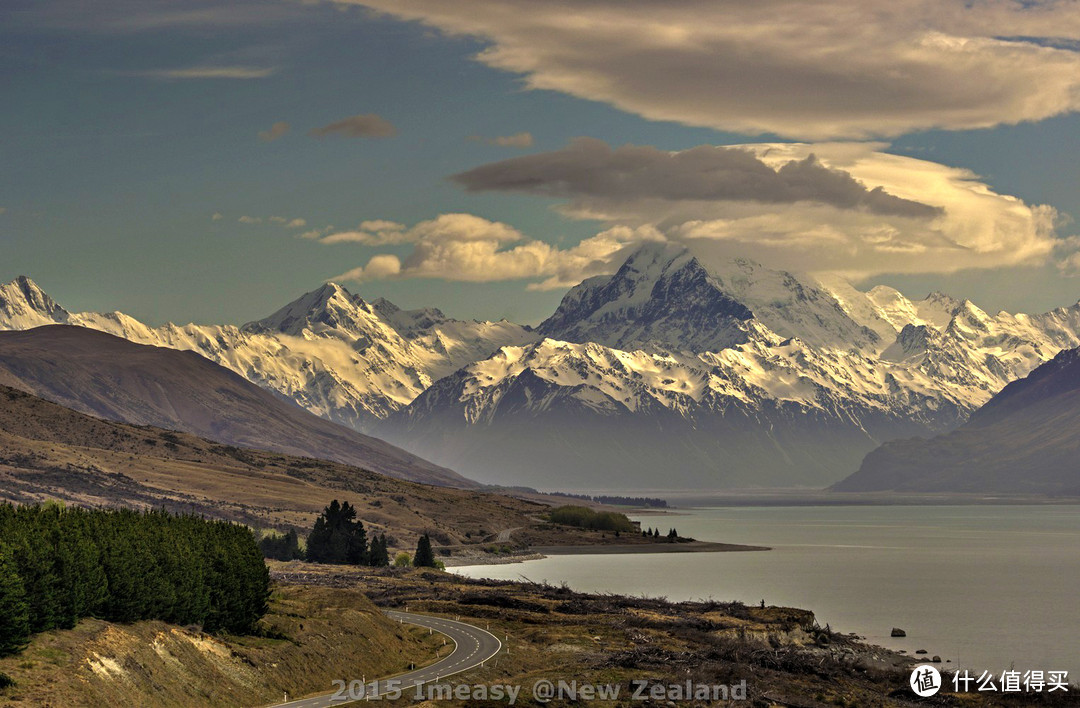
(1024, 440)
(105, 376)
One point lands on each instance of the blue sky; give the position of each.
(131, 153)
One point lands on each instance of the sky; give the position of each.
(211, 161)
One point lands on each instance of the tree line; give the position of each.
(586, 518)
(672, 535)
(616, 500)
(59, 565)
(338, 537)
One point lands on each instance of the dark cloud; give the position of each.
(590, 168)
(365, 125)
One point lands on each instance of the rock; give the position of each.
(936, 659)
(920, 651)
(897, 632)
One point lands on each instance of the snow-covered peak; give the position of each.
(652, 259)
(24, 305)
(661, 297)
(408, 322)
(664, 297)
(330, 308)
(795, 306)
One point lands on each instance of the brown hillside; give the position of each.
(108, 377)
(50, 452)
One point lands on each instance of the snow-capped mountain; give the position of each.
(330, 351)
(680, 374)
(23, 305)
(661, 296)
(1022, 441)
(670, 372)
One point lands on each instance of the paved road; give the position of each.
(504, 535)
(472, 647)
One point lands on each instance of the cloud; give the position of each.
(590, 168)
(217, 216)
(846, 208)
(366, 125)
(315, 234)
(274, 132)
(287, 222)
(283, 221)
(827, 207)
(518, 140)
(209, 72)
(817, 70)
(469, 248)
(458, 227)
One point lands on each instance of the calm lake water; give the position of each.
(990, 587)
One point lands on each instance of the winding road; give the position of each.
(472, 647)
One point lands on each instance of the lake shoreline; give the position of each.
(540, 552)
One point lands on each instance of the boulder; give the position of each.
(897, 632)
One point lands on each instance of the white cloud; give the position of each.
(217, 216)
(282, 221)
(464, 247)
(810, 70)
(921, 217)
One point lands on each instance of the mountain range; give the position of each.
(668, 373)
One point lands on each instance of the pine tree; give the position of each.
(337, 537)
(14, 610)
(379, 555)
(318, 541)
(424, 557)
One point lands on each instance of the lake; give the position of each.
(989, 587)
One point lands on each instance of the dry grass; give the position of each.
(329, 634)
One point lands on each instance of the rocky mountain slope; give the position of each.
(1022, 441)
(111, 378)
